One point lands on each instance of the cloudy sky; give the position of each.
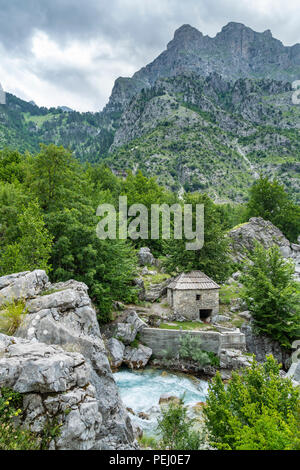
(69, 52)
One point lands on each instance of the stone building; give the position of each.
(194, 296)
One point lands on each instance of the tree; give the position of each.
(108, 267)
(257, 410)
(33, 247)
(213, 258)
(11, 166)
(272, 295)
(176, 429)
(54, 177)
(269, 200)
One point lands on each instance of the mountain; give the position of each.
(208, 134)
(24, 126)
(208, 114)
(236, 52)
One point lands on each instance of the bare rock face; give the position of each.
(243, 238)
(65, 317)
(263, 346)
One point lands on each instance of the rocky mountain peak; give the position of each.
(186, 33)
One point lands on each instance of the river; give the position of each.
(141, 390)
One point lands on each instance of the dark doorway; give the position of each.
(205, 313)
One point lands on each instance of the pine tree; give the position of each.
(272, 295)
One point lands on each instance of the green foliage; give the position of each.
(11, 316)
(148, 442)
(190, 348)
(32, 248)
(269, 200)
(272, 295)
(257, 410)
(228, 293)
(176, 429)
(12, 436)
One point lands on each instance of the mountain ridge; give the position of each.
(191, 51)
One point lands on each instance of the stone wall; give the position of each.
(163, 341)
(185, 303)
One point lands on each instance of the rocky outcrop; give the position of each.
(234, 359)
(24, 285)
(243, 239)
(56, 386)
(154, 292)
(120, 335)
(65, 317)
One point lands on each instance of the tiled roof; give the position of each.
(193, 280)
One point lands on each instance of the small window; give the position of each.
(198, 297)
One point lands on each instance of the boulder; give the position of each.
(220, 318)
(243, 238)
(234, 359)
(115, 352)
(246, 315)
(145, 257)
(137, 358)
(167, 398)
(126, 327)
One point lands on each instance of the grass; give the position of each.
(155, 279)
(228, 293)
(148, 442)
(51, 291)
(11, 316)
(185, 325)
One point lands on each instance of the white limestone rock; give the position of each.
(116, 352)
(66, 317)
(137, 358)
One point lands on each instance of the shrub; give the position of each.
(190, 348)
(176, 429)
(258, 409)
(13, 437)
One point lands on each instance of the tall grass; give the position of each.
(11, 316)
